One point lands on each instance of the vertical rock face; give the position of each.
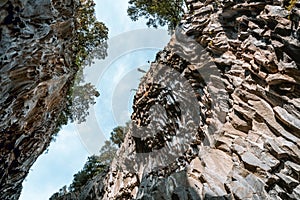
(241, 141)
(216, 117)
(35, 75)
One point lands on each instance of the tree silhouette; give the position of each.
(158, 12)
(94, 166)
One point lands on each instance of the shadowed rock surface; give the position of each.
(216, 117)
(241, 58)
(35, 76)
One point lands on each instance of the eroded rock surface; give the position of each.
(241, 59)
(216, 117)
(35, 74)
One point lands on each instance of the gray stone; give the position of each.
(290, 119)
(242, 62)
(253, 162)
(288, 181)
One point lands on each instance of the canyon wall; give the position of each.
(238, 135)
(36, 73)
(217, 116)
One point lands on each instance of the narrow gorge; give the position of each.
(217, 116)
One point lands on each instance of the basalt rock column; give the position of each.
(35, 74)
(246, 80)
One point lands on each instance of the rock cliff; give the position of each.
(238, 135)
(36, 73)
(217, 116)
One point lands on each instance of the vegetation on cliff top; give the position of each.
(90, 43)
(91, 35)
(158, 13)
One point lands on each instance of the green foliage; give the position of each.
(83, 96)
(79, 98)
(90, 43)
(62, 192)
(118, 134)
(91, 35)
(92, 167)
(107, 153)
(157, 12)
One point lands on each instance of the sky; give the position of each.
(130, 46)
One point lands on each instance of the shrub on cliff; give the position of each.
(92, 167)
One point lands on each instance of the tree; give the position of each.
(83, 96)
(91, 34)
(91, 168)
(158, 12)
(118, 134)
(94, 166)
(79, 98)
(107, 153)
(90, 43)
